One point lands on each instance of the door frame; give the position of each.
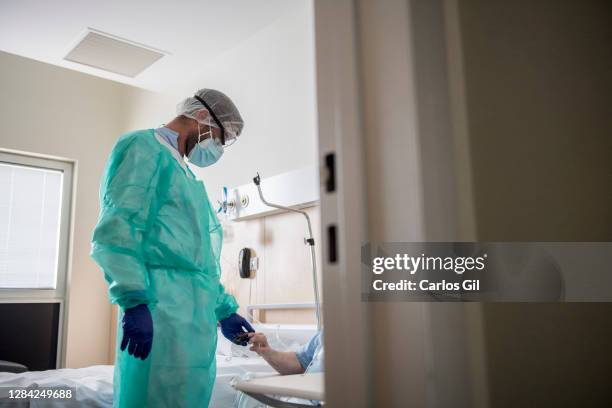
(347, 365)
(354, 50)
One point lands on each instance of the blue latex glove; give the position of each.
(137, 331)
(234, 328)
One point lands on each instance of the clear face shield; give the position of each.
(229, 130)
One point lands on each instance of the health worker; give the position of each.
(158, 242)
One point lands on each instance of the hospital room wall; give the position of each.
(271, 78)
(54, 111)
(284, 274)
(538, 91)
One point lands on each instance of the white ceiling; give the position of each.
(192, 32)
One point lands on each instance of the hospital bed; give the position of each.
(94, 385)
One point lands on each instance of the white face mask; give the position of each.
(206, 152)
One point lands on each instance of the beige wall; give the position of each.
(55, 111)
(539, 93)
(284, 274)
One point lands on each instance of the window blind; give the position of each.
(30, 212)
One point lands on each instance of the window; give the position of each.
(35, 218)
(30, 214)
(35, 201)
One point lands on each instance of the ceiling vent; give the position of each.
(113, 54)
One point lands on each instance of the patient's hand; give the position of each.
(259, 343)
(285, 362)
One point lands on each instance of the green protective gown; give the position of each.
(158, 242)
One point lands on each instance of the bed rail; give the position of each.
(276, 306)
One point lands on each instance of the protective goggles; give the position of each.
(228, 134)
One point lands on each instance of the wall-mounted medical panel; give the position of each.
(296, 189)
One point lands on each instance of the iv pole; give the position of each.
(309, 241)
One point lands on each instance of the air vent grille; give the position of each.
(113, 54)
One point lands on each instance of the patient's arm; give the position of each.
(285, 362)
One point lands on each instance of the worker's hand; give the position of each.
(235, 329)
(137, 331)
(259, 343)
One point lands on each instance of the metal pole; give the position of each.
(309, 241)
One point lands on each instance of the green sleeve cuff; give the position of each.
(132, 299)
(227, 307)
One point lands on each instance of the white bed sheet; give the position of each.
(224, 395)
(94, 384)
